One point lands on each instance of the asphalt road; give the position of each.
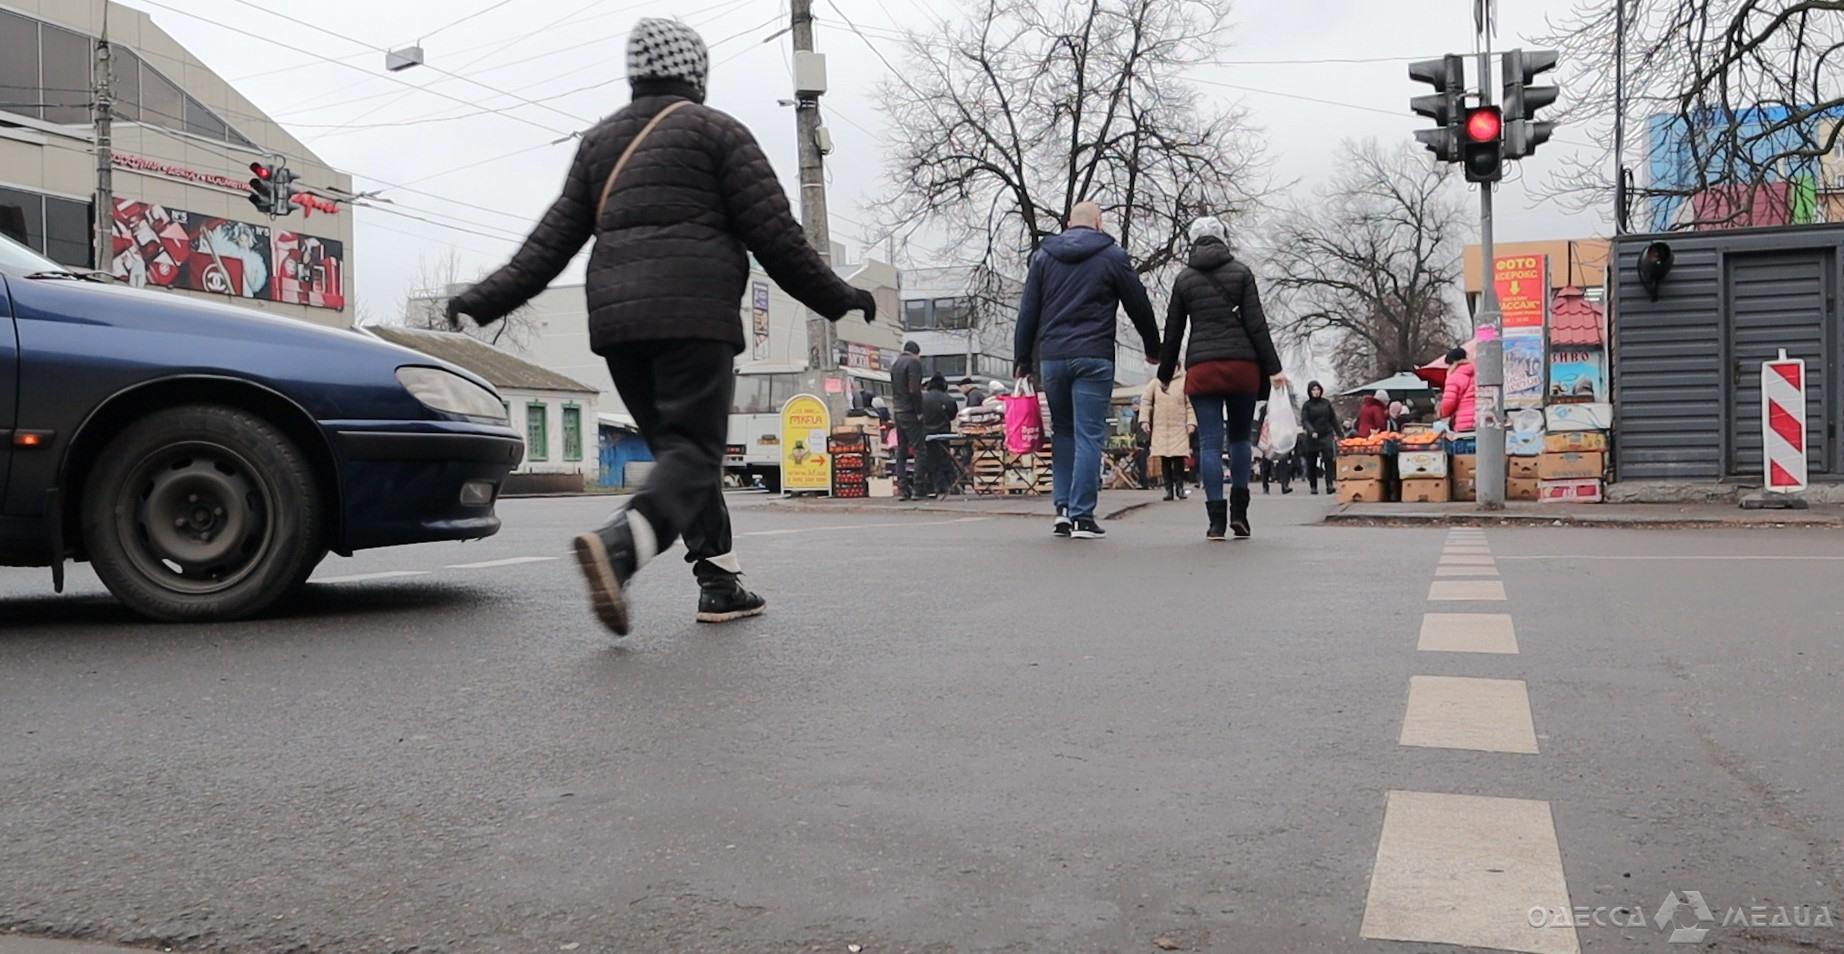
(950, 734)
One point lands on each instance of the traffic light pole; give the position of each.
(103, 85)
(822, 354)
(1489, 405)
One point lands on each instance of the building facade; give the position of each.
(961, 333)
(183, 141)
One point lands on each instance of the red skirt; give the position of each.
(1221, 378)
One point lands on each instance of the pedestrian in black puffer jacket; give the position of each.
(1319, 440)
(673, 233)
(1230, 361)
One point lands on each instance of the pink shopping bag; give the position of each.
(1024, 421)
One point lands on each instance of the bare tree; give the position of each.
(439, 279)
(1372, 261)
(1736, 101)
(1006, 120)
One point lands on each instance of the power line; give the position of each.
(489, 8)
(441, 225)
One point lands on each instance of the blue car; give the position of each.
(205, 458)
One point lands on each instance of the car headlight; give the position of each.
(451, 394)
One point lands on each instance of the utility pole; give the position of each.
(1489, 405)
(1619, 143)
(101, 81)
(809, 83)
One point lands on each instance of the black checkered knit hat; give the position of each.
(667, 50)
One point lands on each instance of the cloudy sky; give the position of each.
(504, 172)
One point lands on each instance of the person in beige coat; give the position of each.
(1166, 414)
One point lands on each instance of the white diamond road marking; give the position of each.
(1468, 633)
(1467, 590)
(1460, 712)
(1467, 870)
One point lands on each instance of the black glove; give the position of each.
(866, 302)
(453, 312)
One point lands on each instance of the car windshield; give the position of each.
(16, 259)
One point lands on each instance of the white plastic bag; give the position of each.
(1283, 423)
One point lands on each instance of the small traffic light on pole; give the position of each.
(1523, 133)
(1448, 77)
(262, 188)
(284, 190)
(1482, 154)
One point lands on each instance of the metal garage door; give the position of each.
(1778, 300)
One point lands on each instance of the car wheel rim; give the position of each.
(196, 518)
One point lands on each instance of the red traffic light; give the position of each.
(262, 171)
(1483, 124)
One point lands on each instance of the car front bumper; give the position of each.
(421, 481)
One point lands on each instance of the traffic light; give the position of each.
(1482, 154)
(284, 182)
(262, 188)
(1448, 77)
(1523, 133)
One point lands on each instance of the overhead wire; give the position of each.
(489, 8)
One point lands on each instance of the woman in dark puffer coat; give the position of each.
(1230, 362)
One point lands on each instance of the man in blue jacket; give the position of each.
(1078, 281)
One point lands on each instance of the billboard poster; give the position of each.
(1524, 371)
(1578, 376)
(758, 318)
(1522, 285)
(307, 271)
(805, 422)
(160, 247)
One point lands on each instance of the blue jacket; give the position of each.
(1078, 282)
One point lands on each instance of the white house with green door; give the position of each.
(557, 414)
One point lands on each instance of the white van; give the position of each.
(752, 447)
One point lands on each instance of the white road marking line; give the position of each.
(1467, 870)
(1466, 559)
(363, 577)
(1465, 550)
(867, 526)
(1468, 633)
(1465, 571)
(1467, 590)
(1573, 557)
(1463, 712)
(509, 561)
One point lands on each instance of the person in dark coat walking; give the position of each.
(1319, 420)
(1230, 364)
(1077, 283)
(674, 227)
(938, 412)
(906, 378)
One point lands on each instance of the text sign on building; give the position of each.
(805, 422)
(758, 318)
(1783, 423)
(1522, 285)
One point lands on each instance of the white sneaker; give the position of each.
(1062, 526)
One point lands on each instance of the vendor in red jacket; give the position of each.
(1373, 417)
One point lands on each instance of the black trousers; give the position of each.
(940, 468)
(910, 445)
(679, 393)
(1273, 470)
(1322, 457)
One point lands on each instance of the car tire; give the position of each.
(202, 513)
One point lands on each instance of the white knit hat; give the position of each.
(1209, 226)
(667, 50)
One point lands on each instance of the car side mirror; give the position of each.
(1655, 262)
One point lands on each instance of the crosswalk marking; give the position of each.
(1466, 590)
(1465, 571)
(1462, 712)
(1468, 633)
(1453, 548)
(1467, 870)
(1466, 559)
(363, 577)
(509, 561)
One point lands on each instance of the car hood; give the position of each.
(165, 313)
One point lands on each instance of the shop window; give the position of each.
(953, 314)
(537, 432)
(24, 211)
(125, 87)
(19, 65)
(946, 365)
(572, 433)
(67, 232)
(68, 72)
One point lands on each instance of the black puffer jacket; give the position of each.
(1217, 332)
(1319, 420)
(670, 256)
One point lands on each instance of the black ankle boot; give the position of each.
(722, 596)
(608, 559)
(1171, 492)
(1239, 511)
(1219, 519)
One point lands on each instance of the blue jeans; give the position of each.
(1211, 412)
(1078, 390)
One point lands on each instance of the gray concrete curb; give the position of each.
(20, 944)
(1036, 513)
(1411, 518)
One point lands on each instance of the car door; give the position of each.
(9, 384)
